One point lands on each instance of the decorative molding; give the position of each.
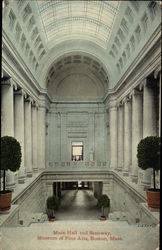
(29, 99)
(143, 84)
(11, 52)
(9, 81)
(126, 99)
(157, 71)
(135, 92)
(112, 105)
(146, 52)
(119, 104)
(21, 92)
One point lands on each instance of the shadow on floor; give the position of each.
(78, 205)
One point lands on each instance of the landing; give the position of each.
(78, 205)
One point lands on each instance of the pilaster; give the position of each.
(113, 135)
(34, 110)
(127, 135)
(28, 137)
(41, 136)
(137, 122)
(120, 137)
(91, 136)
(19, 128)
(63, 137)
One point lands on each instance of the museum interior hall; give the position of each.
(80, 89)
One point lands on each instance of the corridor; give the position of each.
(78, 205)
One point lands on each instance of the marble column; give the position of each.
(7, 120)
(19, 129)
(47, 142)
(160, 105)
(149, 123)
(91, 131)
(137, 122)
(120, 137)
(41, 136)
(157, 76)
(127, 136)
(35, 136)
(113, 136)
(28, 138)
(63, 138)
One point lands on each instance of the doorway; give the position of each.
(77, 151)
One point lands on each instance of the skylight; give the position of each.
(64, 19)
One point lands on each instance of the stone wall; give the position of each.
(126, 200)
(97, 189)
(31, 201)
(77, 123)
(123, 198)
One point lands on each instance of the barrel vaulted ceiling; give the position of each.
(92, 20)
(109, 33)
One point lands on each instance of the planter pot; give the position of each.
(153, 198)
(104, 212)
(50, 214)
(102, 218)
(5, 200)
(51, 219)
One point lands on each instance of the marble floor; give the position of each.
(78, 205)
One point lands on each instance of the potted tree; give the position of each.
(10, 160)
(148, 155)
(103, 202)
(52, 203)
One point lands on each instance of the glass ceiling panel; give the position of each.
(83, 17)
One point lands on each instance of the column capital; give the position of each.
(113, 108)
(143, 84)
(112, 105)
(21, 92)
(135, 92)
(42, 107)
(126, 100)
(119, 104)
(29, 99)
(9, 81)
(6, 81)
(157, 71)
(35, 104)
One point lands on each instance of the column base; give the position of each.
(134, 178)
(35, 170)
(16, 177)
(125, 172)
(145, 181)
(119, 169)
(11, 186)
(21, 179)
(112, 167)
(10, 180)
(29, 174)
(145, 185)
(130, 170)
(42, 169)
